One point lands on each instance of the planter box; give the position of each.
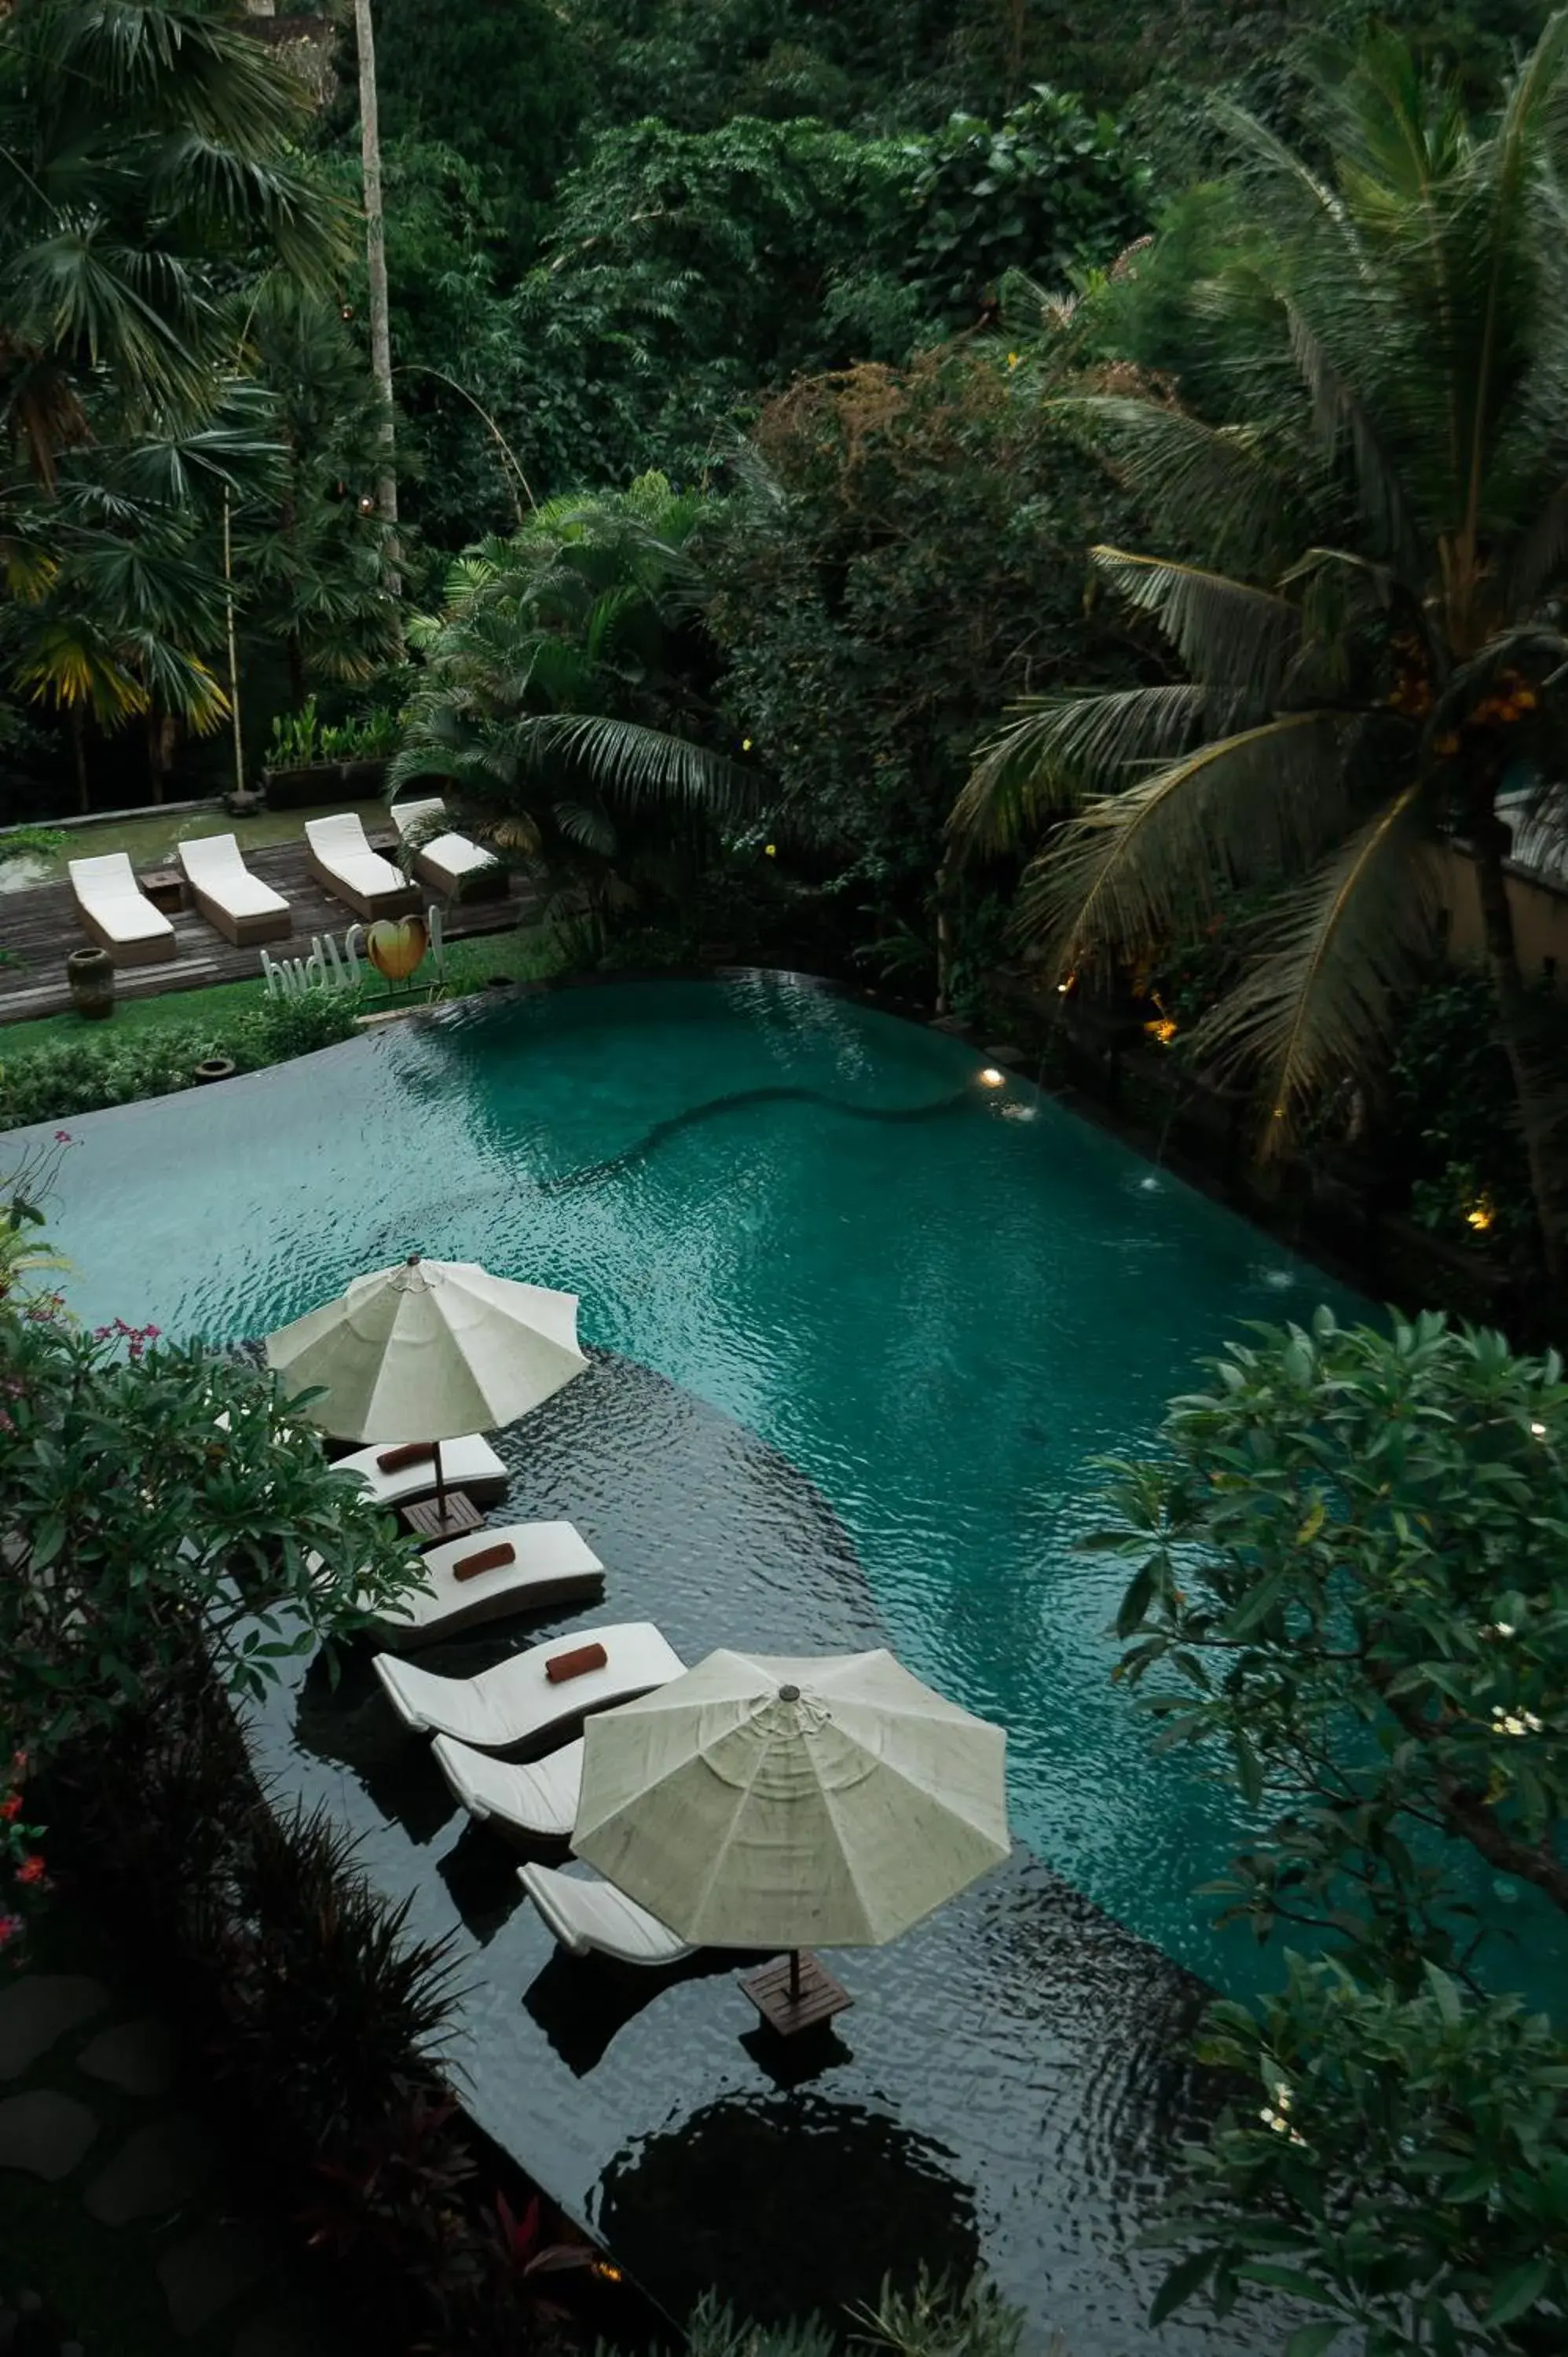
(323, 781)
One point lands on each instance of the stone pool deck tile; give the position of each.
(280, 2332)
(203, 2266)
(159, 2169)
(44, 2132)
(137, 2057)
(208, 2271)
(36, 2011)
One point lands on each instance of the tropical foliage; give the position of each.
(143, 1535)
(1358, 590)
(559, 705)
(148, 157)
(1349, 1587)
(900, 556)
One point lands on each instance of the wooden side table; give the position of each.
(795, 1992)
(165, 887)
(424, 1518)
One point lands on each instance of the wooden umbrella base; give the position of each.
(795, 1994)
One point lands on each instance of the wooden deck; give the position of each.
(40, 927)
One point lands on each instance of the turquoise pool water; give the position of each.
(942, 1301)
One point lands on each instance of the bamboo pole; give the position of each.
(376, 265)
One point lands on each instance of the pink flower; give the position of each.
(31, 1869)
(9, 1927)
(62, 1137)
(10, 1807)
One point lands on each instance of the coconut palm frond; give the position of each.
(1341, 421)
(1320, 1007)
(1139, 868)
(633, 763)
(1274, 159)
(1212, 487)
(1228, 634)
(1035, 768)
(588, 826)
(1537, 560)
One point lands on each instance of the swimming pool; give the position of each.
(942, 1301)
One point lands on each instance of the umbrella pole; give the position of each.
(794, 1975)
(440, 1488)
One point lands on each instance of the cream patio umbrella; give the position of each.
(761, 1803)
(429, 1349)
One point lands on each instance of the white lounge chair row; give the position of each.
(120, 918)
(518, 1703)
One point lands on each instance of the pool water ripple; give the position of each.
(809, 1214)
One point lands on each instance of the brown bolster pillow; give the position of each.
(413, 1452)
(488, 1558)
(571, 1665)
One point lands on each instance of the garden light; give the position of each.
(1480, 1214)
(991, 1079)
(1162, 1028)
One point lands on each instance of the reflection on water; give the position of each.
(893, 1329)
(1002, 2082)
(874, 2190)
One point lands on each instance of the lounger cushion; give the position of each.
(514, 1703)
(543, 1563)
(450, 855)
(463, 1463)
(339, 845)
(539, 1800)
(213, 865)
(107, 887)
(588, 1916)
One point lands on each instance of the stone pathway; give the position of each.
(88, 2107)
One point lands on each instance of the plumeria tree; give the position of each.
(166, 1513)
(1349, 1589)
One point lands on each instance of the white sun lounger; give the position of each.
(117, 913)
(449, 863)
(551, 1563)
(538, 1802)
(515, 1703)
(239, 904)
(469, 1464)
(590, 1918)
(345, 866)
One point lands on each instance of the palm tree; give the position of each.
(1366, 558)
(146, 146)
(558, 703)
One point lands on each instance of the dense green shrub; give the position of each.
(1349, 1593)
(1051, 190)
(910, 547)
(103, 1068)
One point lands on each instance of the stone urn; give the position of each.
(213, 1067)
(91, 974)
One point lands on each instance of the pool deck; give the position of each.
(1012, 2080)
(40, 927)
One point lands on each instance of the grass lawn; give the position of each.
(526, 954)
